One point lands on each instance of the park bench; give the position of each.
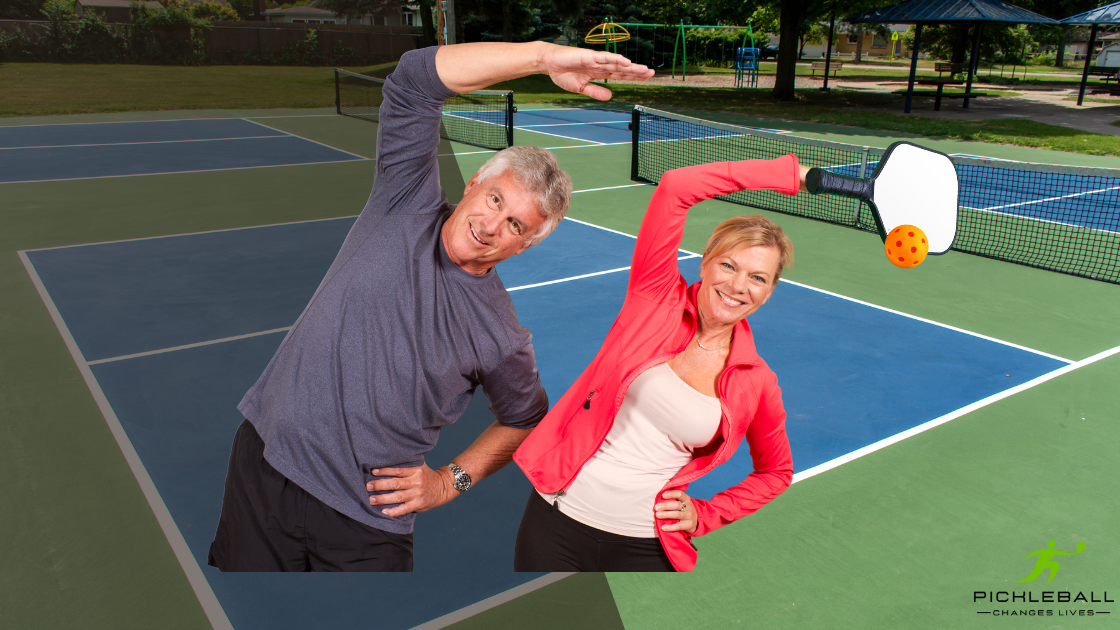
(1107, 73)
(944, 66)
(833, 67)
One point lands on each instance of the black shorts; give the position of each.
(269, 523)
(549, 540)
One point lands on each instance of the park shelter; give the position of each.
(1108, 14)
(976, 13)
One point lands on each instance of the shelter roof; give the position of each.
(952, 12)
(1108, 14)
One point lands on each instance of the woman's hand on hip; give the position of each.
(678, 506)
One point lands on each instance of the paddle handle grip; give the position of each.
(819, 181)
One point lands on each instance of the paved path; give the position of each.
(1046, 106)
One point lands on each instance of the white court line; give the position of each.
(1041, 220)
(586, 275)
(921, 428)
(188, 346)
(574, 146)
(209, 602)
(253, 227)
(607, 188)
(307, 139)
(932, 322)
(127, 122)
(201, 170)
(1029, 203)
(572, 124)
(556, 135)
(116, 144)
(490, 602)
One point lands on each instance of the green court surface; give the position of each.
(901, 537)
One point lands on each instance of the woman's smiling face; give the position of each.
(735, 284)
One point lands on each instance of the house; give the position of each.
(310, 14)
(874, 44)
(303, 15)
(114, 11)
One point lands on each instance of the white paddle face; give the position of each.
(919, 187)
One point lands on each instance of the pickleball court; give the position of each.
(170, 329)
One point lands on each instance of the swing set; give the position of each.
(650, 47)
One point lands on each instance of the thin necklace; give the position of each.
(711, 349)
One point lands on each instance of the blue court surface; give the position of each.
(176, 329)
(57, 152)
(601, 126)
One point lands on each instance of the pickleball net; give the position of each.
(483, 118)
(1059, 218)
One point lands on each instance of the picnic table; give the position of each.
(941, 83)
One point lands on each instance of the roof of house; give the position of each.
(301, 10)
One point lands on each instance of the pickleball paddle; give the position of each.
(911, 185)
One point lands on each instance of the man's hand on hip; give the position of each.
(417, 489)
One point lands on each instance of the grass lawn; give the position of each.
(37, 89)
(45, 89)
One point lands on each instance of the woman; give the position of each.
(670, 395)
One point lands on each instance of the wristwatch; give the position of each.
(462, 479)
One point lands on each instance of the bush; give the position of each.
(214, 12)
(303, 53)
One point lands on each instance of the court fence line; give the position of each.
(1057, 218)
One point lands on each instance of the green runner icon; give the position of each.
(1045, 561)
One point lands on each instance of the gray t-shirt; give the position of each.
(397, 336)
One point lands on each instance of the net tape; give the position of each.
(1060, 218)
(483, 118)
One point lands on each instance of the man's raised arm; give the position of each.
(468, 67)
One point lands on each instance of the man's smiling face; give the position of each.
(493, 222)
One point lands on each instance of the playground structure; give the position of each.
(649, 44)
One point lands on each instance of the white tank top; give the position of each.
(661, 420)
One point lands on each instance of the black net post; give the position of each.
(337, 98)
(509, 119)
(635, 135)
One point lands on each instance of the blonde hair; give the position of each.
(750, 230)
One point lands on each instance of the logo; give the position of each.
(1045, 561)
(1020, 603)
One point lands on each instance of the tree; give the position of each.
(1056, 36)
(793, 15)
(21, 9)
(356, 9)
(214, 12)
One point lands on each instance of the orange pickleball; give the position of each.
(906, 246)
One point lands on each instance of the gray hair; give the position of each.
(537, 170)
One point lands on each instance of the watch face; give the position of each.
(462, 479)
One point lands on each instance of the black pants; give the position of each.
(549, 540)
(269, 523)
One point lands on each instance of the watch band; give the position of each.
(462, 479)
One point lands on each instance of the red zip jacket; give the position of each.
(658, 320)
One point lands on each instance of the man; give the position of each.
(328, 472)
